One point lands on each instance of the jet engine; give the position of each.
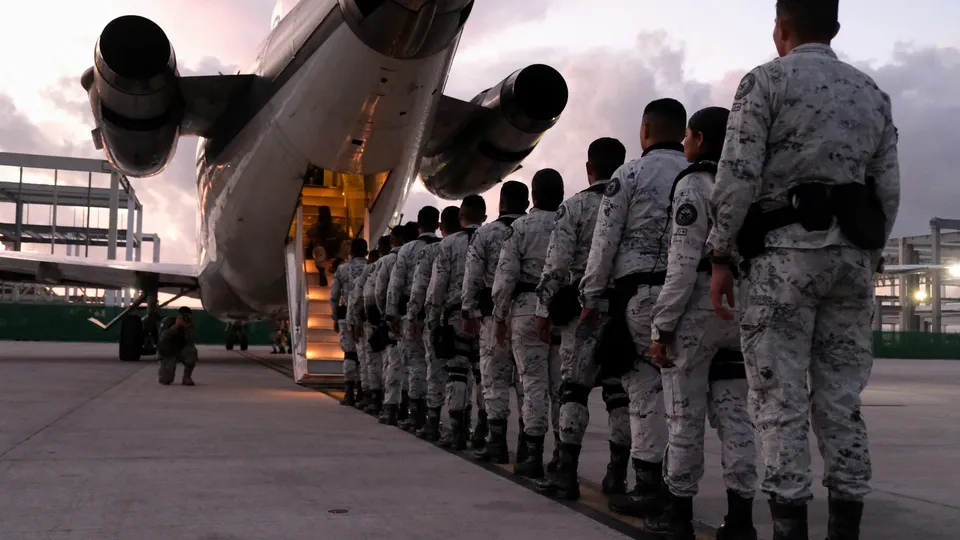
(508, 123)
(134, 95)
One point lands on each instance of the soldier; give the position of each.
(371, 325)
(629, 249)
(700, 354)
(343, 280)
(497, 366)
(809, 189)
(518, 273)
(557, 304)
(393, 367)
(188, 355)
(412, 353)
(355, 316)
(414, 319)
(457, 349)
(169, 346)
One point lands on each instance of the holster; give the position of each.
(402, 304)
(445, 337)
(616, 352)
(860, 215)
(373, 315)
(727, 365)
(484, 301)
(565, 305)
(341, 312)
(380, 338)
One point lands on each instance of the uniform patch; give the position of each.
(736, 107)
(686, 215)
(562, 211)
(508, 234)
(612, 188)
(746, 85)
(681, 231)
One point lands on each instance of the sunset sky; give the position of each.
(616, 55)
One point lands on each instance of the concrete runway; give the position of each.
(93, 448)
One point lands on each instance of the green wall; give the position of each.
(64, 322)
(59, 322)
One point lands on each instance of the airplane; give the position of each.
(351, 89)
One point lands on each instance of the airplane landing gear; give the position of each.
(131, 338)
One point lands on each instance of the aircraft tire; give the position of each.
(243, 343)
(131, 338)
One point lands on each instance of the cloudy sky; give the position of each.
(616, 55)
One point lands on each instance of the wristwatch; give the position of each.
(721, 260)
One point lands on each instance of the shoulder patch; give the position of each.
(746, 85)
(612, 188)
(686, 215)
(562, 211)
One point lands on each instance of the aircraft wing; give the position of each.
(62, 271)
(901, 269)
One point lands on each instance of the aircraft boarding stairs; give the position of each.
(317, 358)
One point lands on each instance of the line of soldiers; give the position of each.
(780, 205)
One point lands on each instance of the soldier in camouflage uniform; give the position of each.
(557, 306)
(188, 355)
(343, 280)
(514, 286)
(630, 249)
(809, 189)
(412, 353)
(497, 365)
(458, 349)
(414, 322)
(355, 317)
(393, 363)
(371, 321)
(700, 354)
(169, 345)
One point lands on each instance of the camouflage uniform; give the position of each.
(514, 299)
(809, 297)
(355, 319)
(566, 260)
(393, 362)
(629, 245)
(170, 349)
(343, 280)
(436, 376)
(497, 366)
(708, 376)
(375, 359)
(412, 353)
(443, 306)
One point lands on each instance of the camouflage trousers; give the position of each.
(362, 364)
(168, 364)
(392, 375)
(498, 373)
(374, 360)
(351, 365)
(648, 423)
(414, 362)
(808, 313)
(539, 366)
(689, 396)
(436, 373)
(460, 368)
(578, 375)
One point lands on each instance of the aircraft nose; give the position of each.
(406, 29)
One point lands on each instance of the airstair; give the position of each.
(317, 358)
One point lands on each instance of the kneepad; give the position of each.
(614, 396)
(574, 393)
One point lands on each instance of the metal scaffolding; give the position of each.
(920, 302)
(77, 239)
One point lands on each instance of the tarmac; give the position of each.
(92, 448)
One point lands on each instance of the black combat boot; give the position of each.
(408, 423)
(361, 400)
(456, 438)
(789, 521)
(532, 466)
(404, 408)
(521, 454)
(844, 521)
(389, 415)
(555, 458)
(675, 520)
(348, 397)
(418, 410)
(188, 375)
(468, 420)
(615, 481)
(376, 396)
(431, 429)
(479, 437)
(563, 483)
(495, 450)
(646, 497)
(738, 523)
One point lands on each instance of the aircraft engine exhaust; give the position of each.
(134, 95)
(406, 29)
(514, 116)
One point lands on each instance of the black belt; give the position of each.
(523, 287)
(484, 299)
(631, 282)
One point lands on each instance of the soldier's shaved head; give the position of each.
(664, 120)
(811, 20)
(514, 197)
